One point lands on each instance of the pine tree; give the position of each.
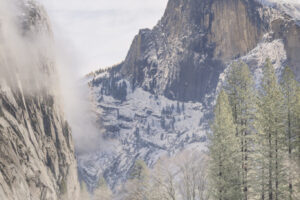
(148, 129)
(271, 122)
(297, 139)
(241, 94)
(84, 194)
(138, 184)
(260, 161)
(224, 152)
(289, 87)
(103, 191)
(178, 108)
(139, 170)
(296, 156)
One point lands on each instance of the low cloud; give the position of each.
(26, 51)
(77, 104)
(35, 62)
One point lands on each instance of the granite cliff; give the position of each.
(37, 160)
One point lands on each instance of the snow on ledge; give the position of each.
(290, 7)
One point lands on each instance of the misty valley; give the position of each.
(204, 106)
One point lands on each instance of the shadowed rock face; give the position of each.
(289, 31)
(37, 160)
(184, 54)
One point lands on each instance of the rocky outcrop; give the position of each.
(37, 160)
(289, 31)
(184, 54)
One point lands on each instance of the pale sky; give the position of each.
(101, 31)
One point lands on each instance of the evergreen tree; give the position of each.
(103, 191)
(139, 170)
(163, 122)
(289, 87)
(271, 123)
(242, 97)
(297, 151)
(84, 194)
(223, 152)
(296, 154)
(138, 184)
(148, 129)
(178, 108)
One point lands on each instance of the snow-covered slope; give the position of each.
(144, 126)
(289, 7)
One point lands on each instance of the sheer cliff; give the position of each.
(37, 160)
(184, 54)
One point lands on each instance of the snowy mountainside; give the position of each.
(141, 125)
(283, 21)
(184, 59)
(289, 7)
(144, 126)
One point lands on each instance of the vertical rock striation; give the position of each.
(184, 54)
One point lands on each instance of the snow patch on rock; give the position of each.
(290, 7)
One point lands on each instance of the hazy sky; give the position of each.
(101, 31)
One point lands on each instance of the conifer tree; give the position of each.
(289, 87)
(84, 194)
(272, 135)
(242, 98)
(223, 152)
(138, 184)
(103, 191)
(297, 139)
(296, 156)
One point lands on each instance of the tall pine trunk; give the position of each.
(270, 168)
(245, 163)
(276, 167)
(263, 183)
(290, 155)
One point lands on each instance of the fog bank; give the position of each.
(33, 61)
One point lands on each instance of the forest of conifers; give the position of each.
(255, 140)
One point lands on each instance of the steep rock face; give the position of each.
(37, 159)
(184, 54)
(289, 31)
(283, 19)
